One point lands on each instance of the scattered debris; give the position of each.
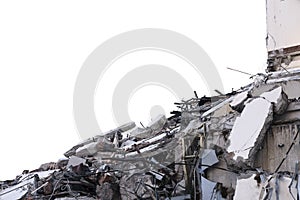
(241, 145)
(211, 148)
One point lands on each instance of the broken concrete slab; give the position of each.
(249, 126)
(154, 127)
(102, 144)
(16, 192)
(238, 101)
(110, 134)
(278, 98)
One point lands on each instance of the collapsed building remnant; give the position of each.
(241, 145)
(211, 148)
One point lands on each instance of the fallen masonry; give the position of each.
(242, 145)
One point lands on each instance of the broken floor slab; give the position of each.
(110, 134)
(102, 144)
(249, 126)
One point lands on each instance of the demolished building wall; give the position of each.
(276, 144)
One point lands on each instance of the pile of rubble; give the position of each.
(242, 145)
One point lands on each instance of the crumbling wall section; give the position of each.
(275, 146)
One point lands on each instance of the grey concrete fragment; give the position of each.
(293, 106)
(238, 101)
(17, 191)
(158, 123)
(290, 86)
(194, 125)
(121, 129)
(154, 126)
(186, 117)
(141, 132)
(75, 161)
(91, 149)
(180, 187)
(207, 188)
(108, 191)
(73, 150)
(275, 146)
(218, 106)
(249, 127)
(219, 175)
(209, 158)
(133, 186)
(221, 123)
(249, 188)
(287, 117)
(217, 139)
(278, 98)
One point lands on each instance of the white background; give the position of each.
(43, 45)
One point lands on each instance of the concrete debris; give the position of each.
(280, 187)
(75, 161)
(217, 107)
(23, 186)
(209, 158)
(241, 145)
(249, 126)
(253, 124)
(207, 188)
(245, 185)
(278, 98)
(238, 101)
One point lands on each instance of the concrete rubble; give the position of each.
(242, 145)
